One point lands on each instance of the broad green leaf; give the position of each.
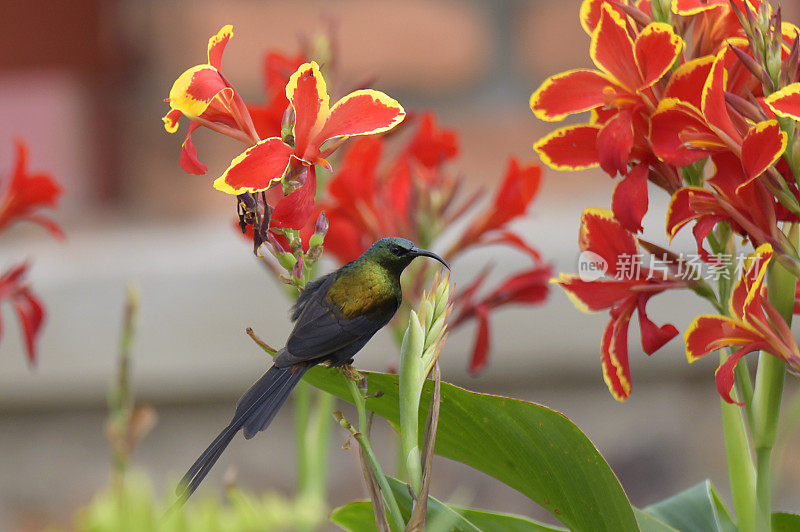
(532, 448)
(783, 522)
(358, 516)
(648, 523)
(697, 509)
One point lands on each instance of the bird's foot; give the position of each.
(351, 373)
(261, 343)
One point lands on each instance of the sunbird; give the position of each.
(334, 317)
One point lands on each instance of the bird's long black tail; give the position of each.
(254, 412)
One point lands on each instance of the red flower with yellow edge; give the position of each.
(205, 97)
(749, 208)
(361, 112)
(629, 65)
(625, 289)
(24, 193)
(681, 133)
(754, 324)
(29, 310)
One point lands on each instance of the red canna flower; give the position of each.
(26, 305)
(361, 112)
(625, 289)
(23, 193)
(682, 132)
(754, 324)
(205, 97)
(621, 95)
(528, 287)
(628, 68)
(746, 205)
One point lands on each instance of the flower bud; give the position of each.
(287, 126)
(297, 271)
(286, 260)
(422, 343)
(320, 230)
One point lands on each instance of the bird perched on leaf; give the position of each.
(334, 317)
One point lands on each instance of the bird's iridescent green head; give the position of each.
(395, 253)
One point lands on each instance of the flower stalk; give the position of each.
(769, 387)
(419, 352)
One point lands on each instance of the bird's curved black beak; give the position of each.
(419, 252)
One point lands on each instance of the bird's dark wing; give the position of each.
(320, 329)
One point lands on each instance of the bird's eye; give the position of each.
(396, 250)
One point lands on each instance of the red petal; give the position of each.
(693, 7)
(294, 210)
(708, 333)
(612, 50)
(714, 107)
(670, 125)
(653, 336)
(614, 353)
(590, 13)
(480, 353)
(528, 287)
(29, 310)
(786, 102)
(570, 148)
(602, 234)
(431, 146)
(593, 296)
(362, 112)
(519, 187)
(568, 93)
(686, 83)
(278, 68)
(267, 119)
(189, 161)
(256, 168)
(31, 316)
(657, 47)
(308, 94)
(356, 179)
(216, 45)
(398, 192)
(630, 200)
(514, 240)
(762, 147)
(725, 375)
(680, 211)
(24, 193)
(614, 143)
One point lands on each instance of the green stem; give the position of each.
(363, 441)
(768, 390)
(741, 470)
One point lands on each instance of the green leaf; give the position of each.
(532, 448)
(697, 509)
(358, 516)
(783, 522)
(648, 523)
